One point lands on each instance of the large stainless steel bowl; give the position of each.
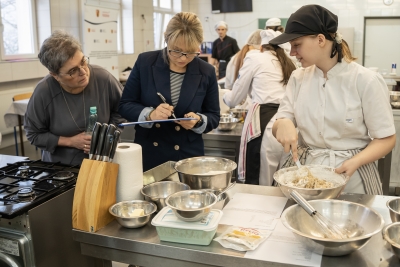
(361, 221)
(391, 233)
(227, 124)
(205, 172)
(191, 205)
(310, 194)
(157, 192)
(122, 211)
(239, 113)
(394, 209)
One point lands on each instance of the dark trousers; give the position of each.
(267, 111)
(222, 69)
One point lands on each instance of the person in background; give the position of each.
(264, 76)
(340, 108)
(274, 24)
(232, 70)
(223, 49)
(58, 111)
(188, 84)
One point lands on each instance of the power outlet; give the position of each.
(206, 19)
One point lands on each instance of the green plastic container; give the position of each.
(170, 228)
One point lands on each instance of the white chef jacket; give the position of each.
(260, 76)
(230, 72)
(339, 113)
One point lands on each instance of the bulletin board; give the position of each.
(261, 22)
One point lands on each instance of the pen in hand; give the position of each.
(163, 100)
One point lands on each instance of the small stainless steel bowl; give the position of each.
(361, 221)
(394, 209)
(227, 124)
(308, 193)
(205, 172)
(391, 233)
(221, 199)
(395, 104)
(191, 205)
(239, 113)
(394, 96)
(122, 211)
(226, 115)
(157, 192)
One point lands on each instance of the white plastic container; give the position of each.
(170, 228)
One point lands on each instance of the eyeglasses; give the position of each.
(76, 71)
(178, 54)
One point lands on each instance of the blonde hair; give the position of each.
(186, 27)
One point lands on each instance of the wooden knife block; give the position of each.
(95, 192)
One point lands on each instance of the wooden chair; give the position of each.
(17, 98)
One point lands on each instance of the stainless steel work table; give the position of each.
(142, 246)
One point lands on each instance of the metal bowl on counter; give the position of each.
(205, 172)
(394, 209)
(391, 233)
(191, 205)
(395, 99)
(157, 192)
(227, 124)
(221, 198)
(124, 212)
(226, 115)
(239, 113)
(361, 221)
(309, 193)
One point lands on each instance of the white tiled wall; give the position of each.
(350, 12)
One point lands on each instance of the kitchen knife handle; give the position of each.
(100, 141)
(93, 142)
(108, 141)
(117, 134)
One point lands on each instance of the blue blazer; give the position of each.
(169, 141)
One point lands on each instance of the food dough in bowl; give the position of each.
(311, 178)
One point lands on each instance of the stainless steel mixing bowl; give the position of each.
(157, 192)
(394, 209)
(238, 113)
(361, 221)
(227, 124)
(122, 211)
(307, 193)
(205, 172)
(395, 99)
(191, 205)
(221, 199)
(391, 233)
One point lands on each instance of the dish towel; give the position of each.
(251, 130)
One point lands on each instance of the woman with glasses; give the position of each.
(186, 83)
(58, 111)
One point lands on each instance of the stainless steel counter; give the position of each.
(143, 247)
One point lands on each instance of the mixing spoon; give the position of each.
(331, 230)
(226, 189)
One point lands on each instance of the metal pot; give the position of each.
(205, 172)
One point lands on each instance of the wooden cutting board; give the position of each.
(95, 192)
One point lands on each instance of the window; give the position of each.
(164, 10)
(18, 27)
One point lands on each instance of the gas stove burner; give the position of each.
(25, 192)
(63, 175)
(23, 171)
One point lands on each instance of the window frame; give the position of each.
(14, 57)
(159, 42)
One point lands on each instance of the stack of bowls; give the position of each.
(227, 123)
(157, 192)
(391, 232)
(395, 99)
(240, 114)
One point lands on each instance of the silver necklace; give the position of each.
(83, 99)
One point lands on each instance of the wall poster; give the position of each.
(100, 26)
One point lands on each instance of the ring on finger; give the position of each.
(84, 146)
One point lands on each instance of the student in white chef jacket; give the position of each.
(263, 76)
(340, 108)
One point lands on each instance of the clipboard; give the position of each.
(141, 122)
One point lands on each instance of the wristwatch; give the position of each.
(199, 122)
